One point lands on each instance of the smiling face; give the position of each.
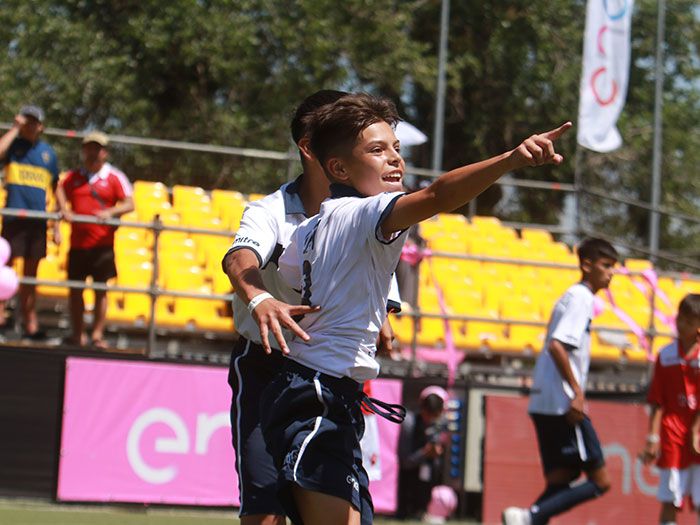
(374, 165)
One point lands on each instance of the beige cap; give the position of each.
(96, 136)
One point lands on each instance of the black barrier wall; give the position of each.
(31, 396)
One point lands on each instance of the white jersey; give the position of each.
(266, 228)
(570, 324)
(341, 262)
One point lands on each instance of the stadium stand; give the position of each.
(499, 282)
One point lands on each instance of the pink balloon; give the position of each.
(8, 283)
(4, 251)
(443, 502)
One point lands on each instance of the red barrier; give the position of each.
(513, 476)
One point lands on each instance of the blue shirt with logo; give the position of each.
(30, 171)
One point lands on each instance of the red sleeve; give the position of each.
(117, 188)
(67, 185)
(655, 396)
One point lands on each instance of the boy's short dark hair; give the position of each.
(336, 127)
(690, 306)
(593, 249)
(299, 127)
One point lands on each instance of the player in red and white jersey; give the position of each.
(673, 398)
(101, 190)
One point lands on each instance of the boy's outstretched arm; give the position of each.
(457, 187)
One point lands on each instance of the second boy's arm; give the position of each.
(459, 186)
(242, 268)
(561, 359)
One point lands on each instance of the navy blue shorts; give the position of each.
(565, 446)
(250, 372)
(312, 425)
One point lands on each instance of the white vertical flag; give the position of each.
(606, 60)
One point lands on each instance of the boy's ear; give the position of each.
(586, 266)
(304, 146)
(337, 170)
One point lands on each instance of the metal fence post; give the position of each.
(153, 291)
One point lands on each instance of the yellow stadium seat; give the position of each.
(147, 210)
(50, 270)
(402, 327)
(135, 275)
(220, 283)
(134, 308)
(601, 351)
(479, 334)
(186, 196)
(638, 265)
(522, 337)
(536, 237)
(482, 223)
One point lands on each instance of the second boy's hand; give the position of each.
(272, 315)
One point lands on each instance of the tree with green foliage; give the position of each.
(230, 72)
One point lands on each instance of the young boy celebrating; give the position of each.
(342, 260)
(673, 401)
(567, 441)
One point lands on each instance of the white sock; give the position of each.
(670, 523)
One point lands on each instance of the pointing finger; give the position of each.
(557, 132)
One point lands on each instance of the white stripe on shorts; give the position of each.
(237, 368)
(317, 423)
(579, 442)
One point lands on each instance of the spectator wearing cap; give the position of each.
(31, 170)
(99, 189)
(420, 453)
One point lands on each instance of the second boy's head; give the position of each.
(354, 141)
(688, 319)
(299, 126)
(597, 259)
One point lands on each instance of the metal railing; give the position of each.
(154, 291)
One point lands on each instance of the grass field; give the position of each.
(33, 512)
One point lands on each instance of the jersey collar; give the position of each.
(102, 173)
(341, 190)
(292, 200)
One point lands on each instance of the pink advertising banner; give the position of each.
(160, 433)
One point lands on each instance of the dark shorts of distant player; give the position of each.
(312, 425)
(566, 446)
(97, 262)
(250, 372)
(27, 237)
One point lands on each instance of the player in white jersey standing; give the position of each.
(567, 440)
(342, 260)
(251, 264)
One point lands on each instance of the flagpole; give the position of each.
(658, 133)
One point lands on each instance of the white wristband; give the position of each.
(255, 301)
(653, 438)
